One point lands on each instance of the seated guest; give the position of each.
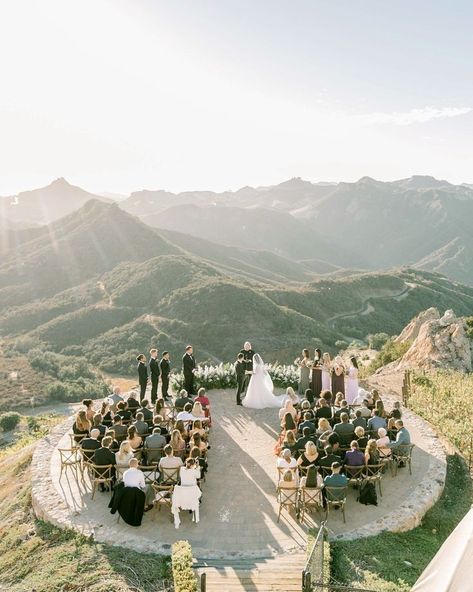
(396, 412)
(336, 479)
(81, 426)
(106, 413)
(328, 458)
(189, 473)
(372, 453)
(324, 410)
(163, 409)
(197, 410)
(292, 396)
(353, 457)
(158, 422)
(359, 420)
(289, 441)
(288, 422)
(186, 496)
(374, 397)
(134, 438)
(198, 429)
(114, 446)
(286, 461)
(323, 427)
(197, 442)
(339, 397)
(182, 400)
(89, 410)
(392, 429)
(288, 481)
(344, 429)
(302, 441)
(104, 456)
(132, 403)
(123, 411)
(312, 479)
(361, 437)
(186, 413)
(115, 398)
(343, 409)
(204, 401)
(309, 396)
(327, 396)
(365, 410)
(97, 423)
(123, 457)
(376, 422)
(182, 429)
(119, 429)
(89, 445)
(133, 477)
(169, 461)
(288, 407)
(380, 407)
(197, 456)
(140, 424)
(307, 423)
(382, 443)
(146, 411)
(177, 441)
(154, 446)
(309, 456)
(403, 438)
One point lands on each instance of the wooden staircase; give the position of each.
(279, 574)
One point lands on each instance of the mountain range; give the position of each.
(102, 285)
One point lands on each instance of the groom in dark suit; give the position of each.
(248, 355)
(155, 372)
(165, 367)
(188, 367)
(240, 368)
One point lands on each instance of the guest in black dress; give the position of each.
(338, 377)
(316, 385)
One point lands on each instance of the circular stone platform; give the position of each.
(239, 509)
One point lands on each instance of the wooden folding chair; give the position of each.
(162, 496)
(76, 439)
(309, 498)
(150, 473)
(70, 459)
(402, 454)
(169, 476)
(374, 473)
(354, 474)
(100, 474)
(335, 496)
(282, 470)
(288, 498)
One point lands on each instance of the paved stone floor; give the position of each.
(239, 510)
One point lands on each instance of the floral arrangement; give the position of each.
(222, 376)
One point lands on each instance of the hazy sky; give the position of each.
(120, 95)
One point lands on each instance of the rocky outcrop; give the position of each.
(438, 342)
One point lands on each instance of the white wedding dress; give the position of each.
(260, 390)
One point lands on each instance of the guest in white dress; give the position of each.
(352, 382)
(326, 372)
(186, 496)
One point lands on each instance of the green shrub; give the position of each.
(182, 572)
(390, 352)
(9, 421)
(377, 340)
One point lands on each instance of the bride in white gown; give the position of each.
(260, 390)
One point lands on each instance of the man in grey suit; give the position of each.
(154, 445)
(140, 425)
(344, 429)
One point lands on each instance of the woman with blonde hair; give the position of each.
(197, 410)
(292, 396)
(323, 426)
(309, 456)
(198, 429)
(177, 441)
(288, 407)
(81, 426)
(123, 457)
(372, 453)
(361, 438)
(304, 365)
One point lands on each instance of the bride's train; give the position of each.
(260, 390)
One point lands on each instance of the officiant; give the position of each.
(248, 355)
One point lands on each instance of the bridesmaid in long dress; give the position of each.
(352, 381)
(338, 377)
(317, 373)
(303, 364)
(326, 371)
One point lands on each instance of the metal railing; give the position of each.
(313, 572)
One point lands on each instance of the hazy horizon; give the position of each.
(117, 96)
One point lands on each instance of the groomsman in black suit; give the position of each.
(248, 355)
(188, 367)
(165, 368)
(155, 372)
(240, 368)
(142, 375)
